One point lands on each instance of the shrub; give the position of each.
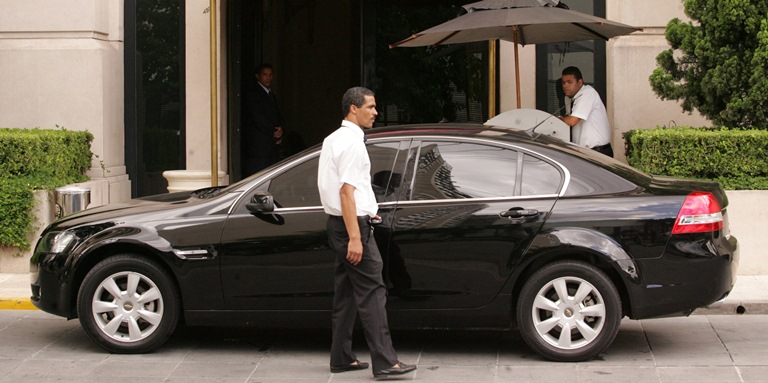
(735, 158)
(36, 159)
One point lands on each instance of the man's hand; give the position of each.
(278, 135)
(348, 213)
(354, 251)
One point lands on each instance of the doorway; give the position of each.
(314, 48)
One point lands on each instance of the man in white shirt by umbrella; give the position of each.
(585, 113)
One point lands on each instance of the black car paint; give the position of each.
(248, 274)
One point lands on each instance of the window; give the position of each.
(458, 170)
(588, 56)
(539, 177)
(417, 85)
(297, 187)
(154, 93)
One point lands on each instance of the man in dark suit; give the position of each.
(263, 130)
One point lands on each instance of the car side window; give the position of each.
(387, 165)
(539, 177)
(297, 187)
(459, 170)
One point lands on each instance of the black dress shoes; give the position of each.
(356, 365)
(401, 369)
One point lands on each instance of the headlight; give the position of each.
(62, 241)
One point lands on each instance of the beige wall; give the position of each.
(61, 63)
(631, 60)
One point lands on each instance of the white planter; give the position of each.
(187, 180)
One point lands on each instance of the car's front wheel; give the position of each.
(128, 304)
(569, 311)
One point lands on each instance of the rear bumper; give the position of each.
(694, 272)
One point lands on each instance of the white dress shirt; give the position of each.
(344, 160)
(593, 129)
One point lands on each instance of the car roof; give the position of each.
(545, 144)
(469, 130)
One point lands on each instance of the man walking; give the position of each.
(344, 182)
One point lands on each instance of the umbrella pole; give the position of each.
(517, 67)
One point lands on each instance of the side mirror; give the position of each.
(261, 202)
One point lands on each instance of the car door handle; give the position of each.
(520, 213)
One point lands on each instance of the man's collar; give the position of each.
(264, 87)
(354, 127)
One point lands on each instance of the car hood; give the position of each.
(162, 205)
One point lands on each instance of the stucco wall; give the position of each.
(61, 63)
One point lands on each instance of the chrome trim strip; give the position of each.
(425, 202)
(192, 255)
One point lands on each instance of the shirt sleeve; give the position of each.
(582, 106)
(351, 165)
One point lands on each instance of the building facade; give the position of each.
(137, 74)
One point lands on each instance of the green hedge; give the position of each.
(36, 159)
(736, 158)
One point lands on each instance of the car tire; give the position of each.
(573, 295)
(128, 304)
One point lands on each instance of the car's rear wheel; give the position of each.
(569, 311)
(128, 304)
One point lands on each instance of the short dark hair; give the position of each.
(573, 71)
(261, 67)
(354, 96)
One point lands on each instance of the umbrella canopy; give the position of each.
(533, 25)
(520, 21)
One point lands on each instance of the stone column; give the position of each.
(198, 99)
(61, 64)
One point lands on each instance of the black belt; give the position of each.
(361, 219)
(605, 149)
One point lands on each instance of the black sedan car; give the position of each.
(481, 228)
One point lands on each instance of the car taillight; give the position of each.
(700, 213)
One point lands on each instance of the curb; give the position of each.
(16, 304)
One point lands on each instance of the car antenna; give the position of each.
(529, 131)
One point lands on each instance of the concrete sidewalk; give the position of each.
(750, 296)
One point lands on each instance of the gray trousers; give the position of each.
(359, 290)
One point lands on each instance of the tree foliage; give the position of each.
(718, 64)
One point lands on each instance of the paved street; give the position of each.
(37, 347)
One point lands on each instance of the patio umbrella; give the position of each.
(520, 21)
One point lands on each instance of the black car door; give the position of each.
(281, 261)
(456, 249)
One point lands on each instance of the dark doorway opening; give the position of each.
(319, 49)
(314, 47)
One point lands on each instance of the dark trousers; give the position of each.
(605, 149)
(359, 290)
